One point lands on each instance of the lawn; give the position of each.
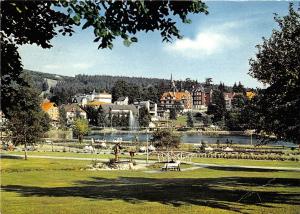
(219, 161)
(61, 186)
(180, 120)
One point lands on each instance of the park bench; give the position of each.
(171, 166)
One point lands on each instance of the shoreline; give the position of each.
(196, 132)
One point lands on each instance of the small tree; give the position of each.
(101, 117)
(62, 117)
(172, 114)
(165, 139)
(190, 121)
(238, 101)
(26, 121)
(81, 128)
(218, 107)
(144, 117)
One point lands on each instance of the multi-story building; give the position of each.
(178, 100)
(122, 101)
(149, 105)
(101, 97)
(202, 97)
(85, 99)
(73, 111)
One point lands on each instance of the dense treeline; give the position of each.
(135, 88)
(91, 82)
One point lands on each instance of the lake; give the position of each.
(186, 138)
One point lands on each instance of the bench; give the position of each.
(171, 166)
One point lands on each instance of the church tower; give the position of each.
(173, 85)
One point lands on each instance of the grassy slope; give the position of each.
(59, 186)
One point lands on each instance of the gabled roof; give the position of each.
(199, 88)
(72, 107)
(176, 95)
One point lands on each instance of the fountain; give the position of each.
(133, 122)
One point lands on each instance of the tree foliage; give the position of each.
(81, 128)
(144, 117)
(165, 139)
(218, 107)
(27, 122)
(238, 88)
(173, 114)
(238, 101)
(190, 120)
(277, 64)
(62, 117)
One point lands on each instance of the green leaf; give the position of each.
(133, 39)
(77, 18)
(87, 24)
(97, 39)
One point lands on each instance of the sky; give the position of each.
(218, 45)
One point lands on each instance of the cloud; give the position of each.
(67, 67)
(205, 43)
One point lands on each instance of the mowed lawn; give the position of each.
(62, 186)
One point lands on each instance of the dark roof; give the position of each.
(121, 98)
(199, 88)
(72, 107)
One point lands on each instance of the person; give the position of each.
(117, 149)
(131, 153)
(227, 142)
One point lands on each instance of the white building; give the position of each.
(149, 105)
(102, 97)
(84, 99)
(73, 111)
(122, 101)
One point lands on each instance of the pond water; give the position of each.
(187, 138)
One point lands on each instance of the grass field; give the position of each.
(61, 186)
(219, 161)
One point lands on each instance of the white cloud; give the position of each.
(67, 67)
(208, 42)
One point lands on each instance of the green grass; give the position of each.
(180, 120)
(243, 162)
(219, 161)
(80, 155)
(60, 186)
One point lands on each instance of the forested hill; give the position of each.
(91, 82)
(60, 89)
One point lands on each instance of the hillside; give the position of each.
(91, 82)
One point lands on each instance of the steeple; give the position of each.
(173, 85)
